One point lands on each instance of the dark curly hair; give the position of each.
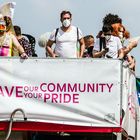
(110, 19)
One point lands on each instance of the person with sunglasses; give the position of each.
(8, 41)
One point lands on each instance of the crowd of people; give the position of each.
(69, 40)
(109, 43)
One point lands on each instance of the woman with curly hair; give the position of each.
(116, 22)
(120, 31)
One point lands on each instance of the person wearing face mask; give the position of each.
(108, 46)
(68, 39)
(120, 31)
(8, 41)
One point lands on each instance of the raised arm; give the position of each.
(130, 46)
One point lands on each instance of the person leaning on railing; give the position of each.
(89, 45)
(107, 45)
(8, 41)
(68, 39)
(23, 41)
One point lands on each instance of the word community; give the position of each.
(56, 92)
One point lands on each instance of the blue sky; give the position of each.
(39, 16)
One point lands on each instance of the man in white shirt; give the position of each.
(66, 38)
(112, 47)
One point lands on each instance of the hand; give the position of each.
(104, 51)
(24, 55)
(134, 43)
(120, 57)
(134, 40)
(107, 49)
(55, 55)
(80, 56)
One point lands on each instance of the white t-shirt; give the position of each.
(114, 44)
(66, 42)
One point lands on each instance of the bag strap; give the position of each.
(77, 39)
(102, 43)
(77, 34)
(56, 34)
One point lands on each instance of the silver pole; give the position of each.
(11, 120)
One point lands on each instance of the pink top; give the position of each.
(6, 46)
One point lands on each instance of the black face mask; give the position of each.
(89, 49)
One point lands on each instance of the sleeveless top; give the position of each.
(6, 45)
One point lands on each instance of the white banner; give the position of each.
(130, 103)
(84, 92)
(138, 124)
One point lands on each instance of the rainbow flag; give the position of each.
(138, 88)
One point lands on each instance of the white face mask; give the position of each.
(66, 22)
(121, 35)
(107, 37)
